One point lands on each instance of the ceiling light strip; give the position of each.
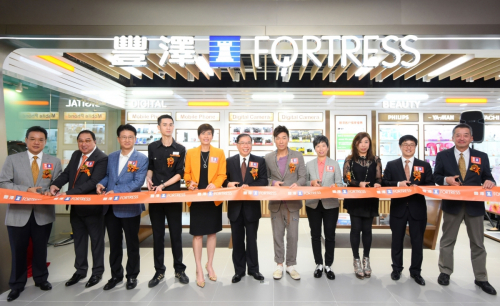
(38, 103)
(57, 62)
(343, 93)
(208, 103)
(466, 100)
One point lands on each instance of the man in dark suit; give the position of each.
(464, 166)
(403, 172)
(245, 170)
(86, 168)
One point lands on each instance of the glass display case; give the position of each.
(302, 141)
(71, 131)
(189, 138)
(437, 138)
(491, 144)
(262, 134)
(389, 135)
(146, 133)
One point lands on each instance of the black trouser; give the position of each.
(417, 229)
(116, 227)
(361, 225)
(157, 214)
(329, 218)
(19, 238)
(245, 257)
(83, 227)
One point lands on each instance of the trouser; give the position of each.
(281, 221)
(116, 228)
(475, 231)
(173, 213)
(329, 218)
(417, 230)
(245, 256)
(361, 225)
(84, 227)
(19, 238)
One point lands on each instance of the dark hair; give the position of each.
(354, 147)
(319, 139)
(36, 129)
(205, 127)
(86, 131)
(126, 127)
(243, 135)
(281, 129)
(408, 137)
(462, 126)
(164, 117)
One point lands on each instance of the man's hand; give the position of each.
(451, 180)
(315, 183)
(244, 185)
(149, 182)
(53, 190)
(278, 184)
(293, 185)
(210, 186)
(100, 188)
(488, 184)
(232, 184)
(377, 185)
(34, 189)
(404, 183)
(110, 192)
(158, 188)
(61, 194)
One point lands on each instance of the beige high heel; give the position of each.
(200, 284)
(212, 278)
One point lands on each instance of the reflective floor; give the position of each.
(344, 290)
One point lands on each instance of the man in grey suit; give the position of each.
(31, 171)
(285, 168)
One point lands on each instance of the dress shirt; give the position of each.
(321, 168)
(88, 155)
(123, 160)
(158, 155)
(246, 161)
(466, 154)
(410, 165)
(38, 161)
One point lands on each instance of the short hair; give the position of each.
(36, 129)
(86, 131)
(408, 137)
(243, 135)
(281, 129)
(462, 126)
(164, 117)
(205, 127)
(126, 127)
(319, 139)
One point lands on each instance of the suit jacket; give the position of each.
(126, 181)
(84, 184)
(233, 171)
(394, 173)
(446, 165)
(329, 178)
(16, 175)
(216, 167)
(273, 174)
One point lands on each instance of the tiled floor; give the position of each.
(344, 290)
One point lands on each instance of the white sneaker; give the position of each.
(292, 272)
(278, 273)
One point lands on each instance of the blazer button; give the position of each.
(116, 184)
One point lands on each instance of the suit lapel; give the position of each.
(248, 175)
(40, 173)
(27, 166)
(196, 165)
(78, 165)
(401, 169)
(275, 156)
(212, 167)
(470, 164)
(125, 169)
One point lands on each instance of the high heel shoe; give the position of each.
(200, 284)
(212, 278)
(358, 269)
(367, 270)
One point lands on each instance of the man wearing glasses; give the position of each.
(402, 172)
(243, 170)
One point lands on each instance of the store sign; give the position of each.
(441, 117)
(253, 117)
(197, 116)
(135, 116)
(491, 117)
(80, 103)
(398, 117)
(39, 116)
(225, 51)
(95, 116)
(401, 104)
(302, 117)
(147, 103)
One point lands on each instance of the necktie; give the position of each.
(243, 169)
(407, 170)
(461, 166)
(34, 169)
(84, 158)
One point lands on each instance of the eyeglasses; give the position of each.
(406, 145)
(127, 137)
(244, 143)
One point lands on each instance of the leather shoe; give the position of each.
(395, 275)
(330, 274)
(444, 279)
(112, 283)
(486, 287)
(257, 275)
(94, 280)
(156, 279)
(237, 278)
(14, 294)
(183, 278)
(75, 279)
(45, 286)
(418, 279)
(131, 283)
(318, 273)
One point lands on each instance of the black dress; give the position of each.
(367, 207)
(205, 217)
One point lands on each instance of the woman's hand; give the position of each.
(315, 183)
(193, 185)
(210, 186)
(293, 185)
(363, 184)
(377, 185)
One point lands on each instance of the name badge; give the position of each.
(214, 160)
(475, 160)
(89, 164)
(418, 168)
(175, 153)
(294, 161)
(330, 169)
(132, 162)
(253, 164)
(48, 166)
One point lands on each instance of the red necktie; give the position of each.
(84, 158)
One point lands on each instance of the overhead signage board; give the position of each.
(401, 104)
(225, 51)
(441, 117)
(300, 117)
(489, 117)
(39, 116)
(94, 116)
(137, 116)
(180, 116)
(251, 117)
(398, 117)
